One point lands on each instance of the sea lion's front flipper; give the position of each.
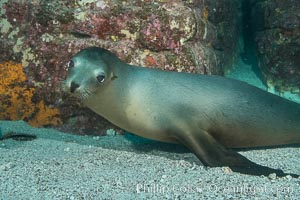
(213, 154)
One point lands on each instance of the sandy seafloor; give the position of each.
(59, 165)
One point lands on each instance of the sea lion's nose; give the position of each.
(74, 86)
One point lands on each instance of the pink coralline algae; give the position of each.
(158, 37)
(153, 26)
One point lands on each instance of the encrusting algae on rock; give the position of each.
(16, 99)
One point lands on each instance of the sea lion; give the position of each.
(208, 114)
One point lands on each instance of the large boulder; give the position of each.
(276, 26)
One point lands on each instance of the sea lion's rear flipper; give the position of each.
(213, 154)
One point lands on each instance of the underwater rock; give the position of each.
(276, 33)
(190, 36)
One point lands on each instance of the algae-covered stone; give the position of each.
(276, 32)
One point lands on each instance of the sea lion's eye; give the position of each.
(70, 64)
(100, 78)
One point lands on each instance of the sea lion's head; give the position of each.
(88, 71)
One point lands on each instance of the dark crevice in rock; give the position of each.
(249, 54)
(254, 2)
(275, 27)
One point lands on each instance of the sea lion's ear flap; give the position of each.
(113, 77)
(213, 154)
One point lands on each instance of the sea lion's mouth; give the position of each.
(83, 94)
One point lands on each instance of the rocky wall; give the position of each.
(276, 26)
(38, 38)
